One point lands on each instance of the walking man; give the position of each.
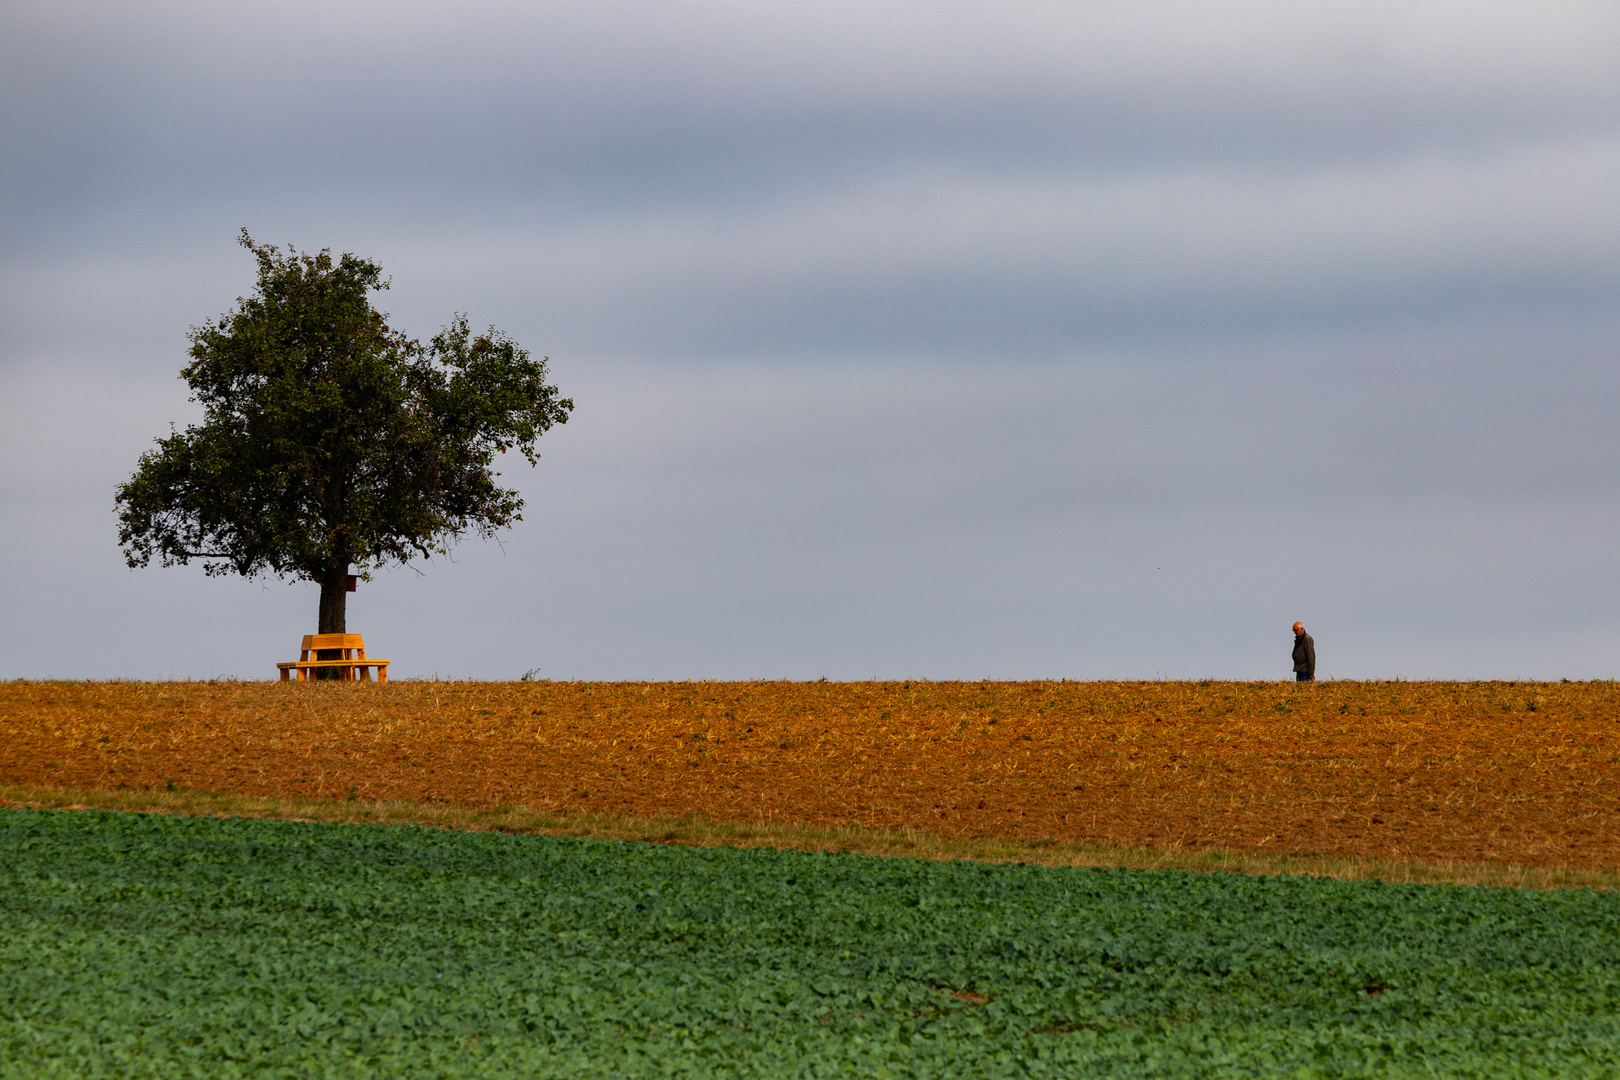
(1304, 655)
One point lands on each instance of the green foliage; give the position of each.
(330, 438)
(169, 946)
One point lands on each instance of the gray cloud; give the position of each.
(632, 103)
(908, 339)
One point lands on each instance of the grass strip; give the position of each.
(704, 832)
(169, 945)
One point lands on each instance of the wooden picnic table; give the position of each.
(352, 666)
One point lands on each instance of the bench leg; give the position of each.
(357, 671)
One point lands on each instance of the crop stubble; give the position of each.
(1519, 773)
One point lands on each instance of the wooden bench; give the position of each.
(354, 664)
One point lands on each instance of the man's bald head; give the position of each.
(1299, 629)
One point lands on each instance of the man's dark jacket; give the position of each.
(1305, 654)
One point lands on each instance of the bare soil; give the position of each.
(1506, 773)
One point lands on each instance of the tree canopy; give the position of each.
(330, 439)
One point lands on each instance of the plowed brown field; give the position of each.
(1521, 773)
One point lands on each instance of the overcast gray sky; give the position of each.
(1024, 340)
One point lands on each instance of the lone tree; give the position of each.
(330, 439)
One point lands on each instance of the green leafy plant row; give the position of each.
(152, 945)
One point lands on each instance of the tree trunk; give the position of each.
(334, 609)
(334, 600)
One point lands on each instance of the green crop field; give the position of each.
(146, 945)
